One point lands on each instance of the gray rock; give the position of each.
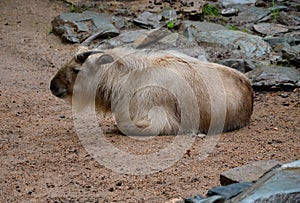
(249, 14)
(131, 36)
(282, 184)
(289, 20)
(274, 77)
(231, 2)
(169, 14)
(229, 191)
(75, 27)
(118, 21)
(292, 54)
(279, 40)
(192, 28)
(155, 39)
(239, 64)
(150, 38)
(148, 20)
(247, 173)
(240, 43)
(213, 199)
(229, 12)
(270, 29)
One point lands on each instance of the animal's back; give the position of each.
(224, 96)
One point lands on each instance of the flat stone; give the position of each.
(241, 43)
(148, 20)
(169, 14)
(213, 199)
(229, 12)
(278, 40)
(76, 27)
(239, 64)
(276, 77)
(292, 54)
(249, 14)
(281, 184)
(151, 37)
(231, 2)
(289, 20)
(229, 191)
(247, 173)
(270, 29)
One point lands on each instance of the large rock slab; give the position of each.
(240, 43)
(276, 77)
(270, 28)
(148, 20)
(247, 173)
(232, 2)
(292, 54)
(160, 39)
(249, 14)
(76, 27)
(282, 184)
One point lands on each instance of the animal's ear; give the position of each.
(81, 57)
(104, 59)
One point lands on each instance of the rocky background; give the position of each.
(260, 38)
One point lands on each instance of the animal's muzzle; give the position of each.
(57, 89)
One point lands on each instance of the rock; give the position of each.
(241, 44)
(248, 173)
(231, 2)
(229, 12)
(276, 77)
(148, 20)
(193, 9)
(213, 199)
(175, 200)
(118, 21)
(281, 184)
(131, 36)
(75, 27)
(279, 40)
(169, 15)
(270, 29)
(229, 191)
(249, 14)
(192, 28)
(239, 64)
(292, 54)
(160, 39)
(202, 26)
(289, 20)
(149, 38)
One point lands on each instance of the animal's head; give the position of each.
(63, 82)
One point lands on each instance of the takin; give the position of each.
(157, 92)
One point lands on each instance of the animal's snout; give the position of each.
(57, 88)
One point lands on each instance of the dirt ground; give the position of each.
(41, 156)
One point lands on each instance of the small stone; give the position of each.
(148, 20)
(229, 12)
(270, 29)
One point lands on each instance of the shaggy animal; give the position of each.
(157, 92)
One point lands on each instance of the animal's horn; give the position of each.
(81, 57)
(88, 40)
(83, 47)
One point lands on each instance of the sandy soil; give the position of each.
(41, 156)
